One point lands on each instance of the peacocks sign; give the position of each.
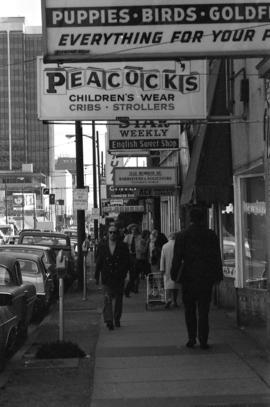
(144, 90)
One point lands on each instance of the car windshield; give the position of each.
(28, 267)
(4, 276)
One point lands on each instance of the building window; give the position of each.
(254, 232)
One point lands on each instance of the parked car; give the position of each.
(47, 254)
(17, 301)
(33, 271)
(57, 241)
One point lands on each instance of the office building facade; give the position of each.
(23, 138)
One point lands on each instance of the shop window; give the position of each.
(228, 235)
(254, 232)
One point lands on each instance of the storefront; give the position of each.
(251, 254)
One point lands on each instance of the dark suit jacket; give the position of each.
(113, 268)
(198, 248)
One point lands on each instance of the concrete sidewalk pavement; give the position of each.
(145, 362)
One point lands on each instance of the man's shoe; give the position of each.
(110, 326)
(117, 324)
(191, 343)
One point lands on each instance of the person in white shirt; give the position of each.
(170, 286)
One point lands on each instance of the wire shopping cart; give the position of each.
(155, 290)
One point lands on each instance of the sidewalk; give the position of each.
(146, 363)
(31, 382)
(143, 363)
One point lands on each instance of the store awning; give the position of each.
(209, 177)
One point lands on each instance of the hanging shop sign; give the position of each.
(125, 208)
(153, 192)
(144, 176)
(109, 91)
(119, 29)
(144, 135)
(111, 162)
(121, 192)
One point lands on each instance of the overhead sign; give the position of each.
(80, 199)
(143, 135)
(107, 91)
(121, 192)
(111, 162)
(120, 209)
(144, 176)
(150, 192)
(120, 29)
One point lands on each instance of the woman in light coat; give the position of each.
(165, 267)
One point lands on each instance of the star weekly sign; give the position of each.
(124, 29)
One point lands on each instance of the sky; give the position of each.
(30, 9)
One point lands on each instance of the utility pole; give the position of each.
(94, 177)
(99, 175)
(80, 213)
(6, 203)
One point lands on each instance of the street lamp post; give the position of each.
(22, 179)
(80, 213)
(94, 178)
(6, 202)
(80, 184)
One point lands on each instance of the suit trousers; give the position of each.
(196, 300)
(113, 304)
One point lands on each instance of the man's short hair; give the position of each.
(196, 215)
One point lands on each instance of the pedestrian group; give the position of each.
(190, 262)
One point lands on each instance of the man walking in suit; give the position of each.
(112, 263)
(198, 248)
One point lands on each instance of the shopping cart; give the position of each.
(155, 291)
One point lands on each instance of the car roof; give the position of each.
(7, 259)
(26, 246)
(39, 233)
(28, 256)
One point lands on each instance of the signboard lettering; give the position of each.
(113, 29)
(145, 177)
(143, 135)
(146, 90)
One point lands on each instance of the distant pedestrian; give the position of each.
(198, 248)
(144, 266)
(156, 241)
(112, 263)
(170, 286)
(86, 253)
(132, 239)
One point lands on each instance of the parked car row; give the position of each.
(17, 301)
(29, 282)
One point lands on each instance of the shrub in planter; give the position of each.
(59, 350)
